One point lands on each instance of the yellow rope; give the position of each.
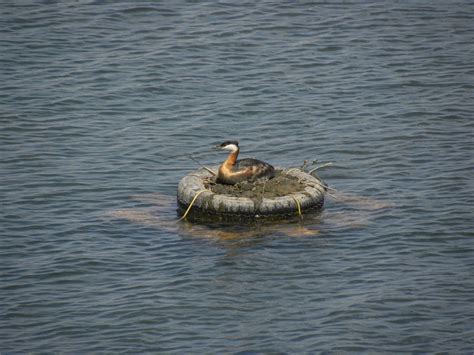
(191, 204)
(298, 205)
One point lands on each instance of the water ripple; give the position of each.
(102, 101)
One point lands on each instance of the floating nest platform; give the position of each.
(291, 193)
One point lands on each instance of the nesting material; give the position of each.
(280, 185)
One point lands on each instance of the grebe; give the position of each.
(233, 171)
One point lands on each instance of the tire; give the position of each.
(221, 207)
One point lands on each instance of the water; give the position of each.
(100, 101)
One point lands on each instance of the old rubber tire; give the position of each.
(222, 207)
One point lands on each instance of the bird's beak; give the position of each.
(217, 147)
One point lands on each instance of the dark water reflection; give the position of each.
(102, 101)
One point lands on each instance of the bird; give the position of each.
(233, 171)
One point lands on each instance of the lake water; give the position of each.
(102, 101)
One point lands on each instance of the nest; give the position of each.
(281, 185)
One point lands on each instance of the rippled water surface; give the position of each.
(100, 103)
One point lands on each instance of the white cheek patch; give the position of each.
(231, 147)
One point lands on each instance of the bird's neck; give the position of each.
(232, 158)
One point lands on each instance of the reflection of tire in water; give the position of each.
(291, 193)
(159, 212)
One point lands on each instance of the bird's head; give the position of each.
(232, 146)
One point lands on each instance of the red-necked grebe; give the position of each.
(233, 171)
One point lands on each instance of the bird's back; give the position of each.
(260, 169)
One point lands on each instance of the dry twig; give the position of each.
(202, 166)
(319, 167)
